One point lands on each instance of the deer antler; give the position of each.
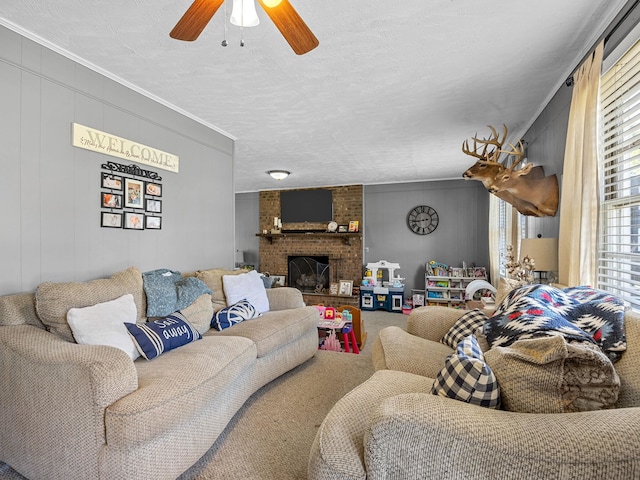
(474, 152)
(494, 140)
(518, 152)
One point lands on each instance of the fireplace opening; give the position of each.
(309, 273)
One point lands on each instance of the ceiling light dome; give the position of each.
(244, 13)
(279, 174)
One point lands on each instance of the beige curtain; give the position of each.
(579, 200)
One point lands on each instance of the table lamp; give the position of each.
(544, 251)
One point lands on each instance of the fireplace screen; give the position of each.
(309, 273)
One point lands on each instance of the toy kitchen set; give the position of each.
(379, 294)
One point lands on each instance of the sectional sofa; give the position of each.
(77, 411)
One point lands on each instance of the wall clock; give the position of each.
(422, 220)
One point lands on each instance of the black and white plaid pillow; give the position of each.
(466, 377)
(465, 326)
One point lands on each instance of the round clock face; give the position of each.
(332, 227)
(422, 220)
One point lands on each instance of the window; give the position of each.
(512, 226)
(619, 239)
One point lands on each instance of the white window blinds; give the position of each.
(619, 245)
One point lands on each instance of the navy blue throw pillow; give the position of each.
(154, 338)
(236, 313)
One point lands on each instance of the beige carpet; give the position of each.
(270, 437)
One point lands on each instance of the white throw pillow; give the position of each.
(246, 286)
(103, 324)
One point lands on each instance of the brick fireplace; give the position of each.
(310, 240)
(309, 273)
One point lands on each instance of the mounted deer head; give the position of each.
(500, 180)
(542, 193)
(487, 167)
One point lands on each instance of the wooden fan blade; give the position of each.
(192, 23)
(291, 26)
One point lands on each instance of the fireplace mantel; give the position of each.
(346, 237)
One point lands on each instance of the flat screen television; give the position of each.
(297, 206)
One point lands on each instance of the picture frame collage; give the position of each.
(130, 203)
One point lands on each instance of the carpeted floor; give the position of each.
(270, 437)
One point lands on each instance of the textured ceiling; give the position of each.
(388, 96)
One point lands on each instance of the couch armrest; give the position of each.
(284, 298)
(53, 397)
(432, 322)
(419, 435)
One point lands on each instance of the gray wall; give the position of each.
(49, 190)
(247, 225)
(462, 234)
(546, 139)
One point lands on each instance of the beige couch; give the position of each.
(392, 427)
(70, 411)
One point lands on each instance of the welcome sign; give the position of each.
(101, 142)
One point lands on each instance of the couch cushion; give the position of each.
(274, 329)
(199, 313)
(553, 375)
(466, 325)
(175, 387)
(395, 349)
(104, 324)
(54, 300)
(466, 377)
(213, 279)
(236, 313)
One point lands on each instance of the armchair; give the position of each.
(402, 431)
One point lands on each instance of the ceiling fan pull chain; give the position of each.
(224, 40)
(242, 26)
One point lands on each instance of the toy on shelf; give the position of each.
(436, 269)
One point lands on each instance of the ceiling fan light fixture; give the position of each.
(271, 3)
(244, 13)
(279, 174)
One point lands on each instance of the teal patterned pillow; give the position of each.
(236, 313)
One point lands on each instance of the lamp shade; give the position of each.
(244, 13)
(544, 251)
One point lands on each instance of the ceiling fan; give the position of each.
(282, 14)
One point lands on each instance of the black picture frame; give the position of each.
(111, 181)
(110, 200)
(153, 205)
(111, 219)
(153, 189)
(134, 220)
(153, 223)
(343, 228)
